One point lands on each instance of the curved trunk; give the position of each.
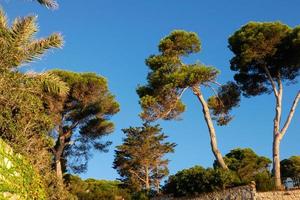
(210, 126)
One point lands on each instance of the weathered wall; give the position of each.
(242, 193)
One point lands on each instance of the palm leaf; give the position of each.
(52, 4)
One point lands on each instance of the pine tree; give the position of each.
(265, 56)
(170, 77)
(140, 159)
(82, 119)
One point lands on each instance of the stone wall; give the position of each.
(278, 195)
(242, 193)
(236, 193)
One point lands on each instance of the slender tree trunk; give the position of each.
(276, 138)
(276, 163)
(277, 132)
(210, 126)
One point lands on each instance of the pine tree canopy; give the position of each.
(169, 77)
(258, 47)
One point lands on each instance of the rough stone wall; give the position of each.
(236, 193)
(278, 195)
(242, 193)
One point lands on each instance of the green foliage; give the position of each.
(264, 181)
(196, 180)
(170, 77)
(258, 47)
(18, 178)
(25, 121)
(290, 167)
(228, 96)
(246, 164)
(140, 159)
(83, 117)
(91, 189)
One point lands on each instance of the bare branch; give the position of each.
(271, 80)
(134, 173)
(217, 83)
(172, 107)
(290, 116)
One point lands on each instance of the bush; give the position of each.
(91, 189)
(196, 180)
(264, 182)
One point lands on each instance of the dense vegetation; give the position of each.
(53, 121)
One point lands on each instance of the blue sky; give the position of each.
(113, 38)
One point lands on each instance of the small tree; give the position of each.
(265, 56)
(169, 78)
(140, 159)
(82, 119)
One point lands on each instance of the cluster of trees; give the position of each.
(57, 117)
(245, 166)
(266, 55)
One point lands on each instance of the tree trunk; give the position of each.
(277, 137)
(277, 133)
(58, 169)
(276, 163)
(58, 153)
(210, 126)
(147, 182)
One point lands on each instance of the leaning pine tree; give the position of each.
(82, 119)
(169, 78)
(265, 56)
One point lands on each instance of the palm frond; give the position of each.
(51, 83)
(23, 29)
(52, 4)
(38, 47)
(3, 20)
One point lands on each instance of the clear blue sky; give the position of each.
(113, 38)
